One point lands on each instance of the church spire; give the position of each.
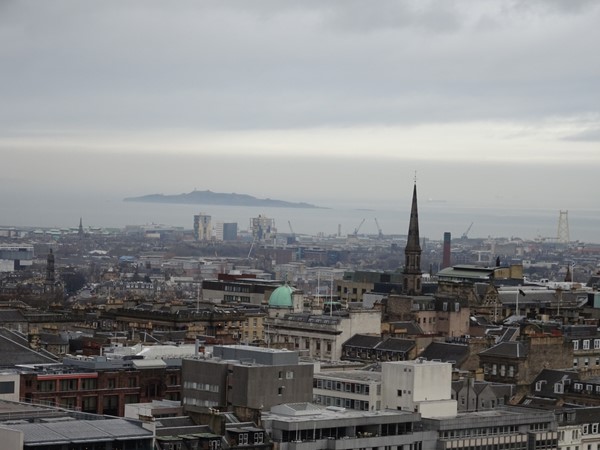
(412, 252)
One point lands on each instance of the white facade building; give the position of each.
(419, 386)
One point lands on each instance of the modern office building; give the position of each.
(15, 257)
(306, 426)
(245, 376)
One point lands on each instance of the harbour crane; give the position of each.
(380, 235)
(292, 238)
(465, 235)
(357, 229)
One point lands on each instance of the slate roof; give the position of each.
(396, 344)
(510, 334)
(512, 349)
(78, 431)
(446, 352)
(11, 316)
(411, 327)
(15, 350)
(363, 341)
(548, 378)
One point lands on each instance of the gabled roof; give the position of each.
(511, 349)
(446, 352)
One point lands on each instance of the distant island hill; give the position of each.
(217, 198)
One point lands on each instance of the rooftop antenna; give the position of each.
(331, 296)
(198, 297)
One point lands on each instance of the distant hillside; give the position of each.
(217, 198)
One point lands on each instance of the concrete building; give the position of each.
(352, 389)
(241, 376)
(226, 231)
(15, 257)
(419, 386)
(238, 289)
(263, 229)
(305, 426)
(498, 429)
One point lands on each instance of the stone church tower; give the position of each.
(412, 265)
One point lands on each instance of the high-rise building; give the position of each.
(226, 231)
(447, 255)
(202, 227)
(263, 228)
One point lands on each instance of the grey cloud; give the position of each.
(592, 135)
(273, 64)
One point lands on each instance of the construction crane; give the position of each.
(292, 238)
(465, 235)
(357, 229)
(380, 235)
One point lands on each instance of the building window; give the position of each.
(89, 383)
(7, 387)
(258, 438)
(586, 344)
(575, 345)
(399, 392)
(289, 375)
(243, 439)
(68, 385)
(89, 404)
(558, 388)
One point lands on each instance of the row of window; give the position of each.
(499, 369)
(360, 405)
(201, 386)
(477, 432)
(589, 388)
(333, 385)
(585, 362)
(76, 384)
(585, 344)
(199, 402)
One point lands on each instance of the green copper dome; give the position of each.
(282, 297)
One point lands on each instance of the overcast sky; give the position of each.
(492, 103)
